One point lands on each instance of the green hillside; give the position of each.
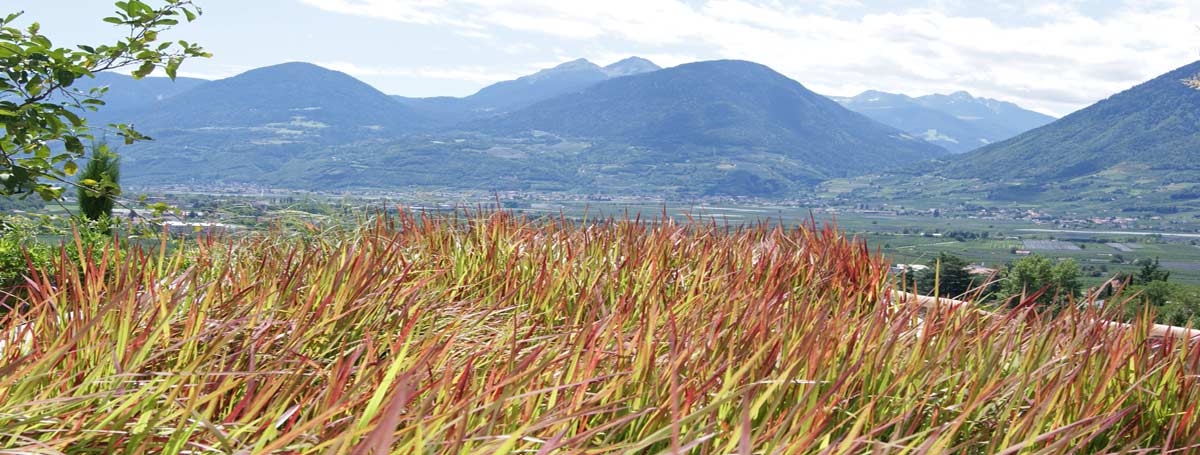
(734, 113)
(1137, 152)
(1153, 129)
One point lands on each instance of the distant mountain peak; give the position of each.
(511, 95)
(292, 67)
(295, 64)
(960, 120)
(876, 93)
(634, 60)
(707, 115)
(296, 73)
(876, 96)
(278, 94)
(630, 66)
(579, 64)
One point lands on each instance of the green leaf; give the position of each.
(173, 67)
(144, 70)
(114, 20)
(65, 78)
(190, 15)
(142, 7)
(74, 145)
(9, 50)
(74, 119)
(49, 193)
(70, 168)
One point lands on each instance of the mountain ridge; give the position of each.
(1153, 123)
(512, 95)
(126, 93)
(726, 127)
(256, 121)
(958, 122)
(719, 107)
(281, 93)
(708, 128)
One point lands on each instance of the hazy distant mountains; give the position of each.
(245, 127)
(288, 102)
(724, 127)
(708, 128)
(509, 96)
(957, 122)
(126, 94)
(1136, 152)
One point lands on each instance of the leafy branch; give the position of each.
(40, 109)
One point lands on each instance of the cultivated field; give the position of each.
(1051, 245)
(1124, 248)
(492, 334)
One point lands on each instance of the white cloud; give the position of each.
(429, 12)
(1056, 60)
(462, 73)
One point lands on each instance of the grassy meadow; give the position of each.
(489, 333)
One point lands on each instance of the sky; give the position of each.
(1053, 57)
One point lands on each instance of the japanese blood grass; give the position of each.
(492, 334)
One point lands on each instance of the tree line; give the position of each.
(1040, 281)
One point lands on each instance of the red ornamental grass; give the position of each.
(490, 333)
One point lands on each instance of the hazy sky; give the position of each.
(1052, 57)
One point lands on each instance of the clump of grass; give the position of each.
(493, 334)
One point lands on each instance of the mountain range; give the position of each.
(738, 113)
(957, 122)
(708, 128)
(1137, 151)
(509, 96)
(724, 127)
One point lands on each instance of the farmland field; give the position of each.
(1187, 266)
(1124, 248)
(1050, 245)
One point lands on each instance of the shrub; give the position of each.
(1027, 276)
(19, 251)
(99, 184)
